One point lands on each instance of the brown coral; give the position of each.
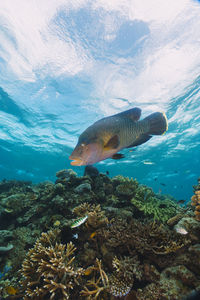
(96, 217)
(195, 201)
(49, 271)
(146, 238)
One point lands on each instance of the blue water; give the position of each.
(65, 64)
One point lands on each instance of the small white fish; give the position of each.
(148, 162)
(78, 222)
(180, 230)
(75, 236)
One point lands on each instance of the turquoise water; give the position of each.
(66, 64)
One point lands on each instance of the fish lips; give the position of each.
(76, 161)
(85, 155)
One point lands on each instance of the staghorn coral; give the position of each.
(49, 270)
(96, 217)
(148, 203)
(98, 285)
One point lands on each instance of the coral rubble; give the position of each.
(126, 248)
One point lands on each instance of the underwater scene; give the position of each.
(100, 149)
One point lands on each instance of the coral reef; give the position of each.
(195, 201)
(128, 246)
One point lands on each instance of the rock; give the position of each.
(59, 188)
(6, 248)
(84, 187)
(66, 174)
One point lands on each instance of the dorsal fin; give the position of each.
(133, 114)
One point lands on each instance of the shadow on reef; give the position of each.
(95, 237)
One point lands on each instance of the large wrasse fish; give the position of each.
(106, 137)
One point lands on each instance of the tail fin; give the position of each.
(157, 123)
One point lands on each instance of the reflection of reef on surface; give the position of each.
(128, 246)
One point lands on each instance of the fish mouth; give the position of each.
(77, 162)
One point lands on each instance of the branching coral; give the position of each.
(98, 284)
(147, 238)
(96, 217)
(49, 270)
(147, 202)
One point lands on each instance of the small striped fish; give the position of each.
(78, 222)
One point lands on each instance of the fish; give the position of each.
(91, 171)
(180, 230)
(78, 222)
(181, 201)
(75, 236)
(93, 234)
(106, 137)
(11, 290)
(145, 162)
(163, 184)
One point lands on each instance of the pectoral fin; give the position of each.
(113, 143)
(140, 140)
(118, 156)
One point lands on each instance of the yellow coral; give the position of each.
(98, 284)
(96, 217)
(49, 270)
(195, 201)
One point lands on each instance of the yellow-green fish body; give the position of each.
(109, 135)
